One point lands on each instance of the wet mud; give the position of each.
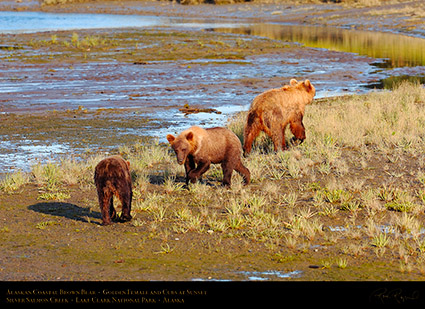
(204, 63)
(143, 91)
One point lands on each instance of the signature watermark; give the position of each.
(397, 295)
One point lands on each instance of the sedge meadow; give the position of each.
(346, 204)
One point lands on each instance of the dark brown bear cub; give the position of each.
(197, 148)
(112, 177)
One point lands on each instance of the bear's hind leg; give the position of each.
(277, 138)
(251, 131)
(126, 206)
(244, 172)
(112, 212)
(227, 174)
(249, 140)
(104, 203)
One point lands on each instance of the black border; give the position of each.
(185, 293)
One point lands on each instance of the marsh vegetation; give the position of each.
(350, 199)
(347, 204)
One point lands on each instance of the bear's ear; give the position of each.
(189, 136)
(293, 82)
(307, 83)
(170, 138)
(128, 164)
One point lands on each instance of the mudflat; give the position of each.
(344, 205)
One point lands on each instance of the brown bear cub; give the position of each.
(112, 177)
(197, 148)
(274, 109)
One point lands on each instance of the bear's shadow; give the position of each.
(66, 210)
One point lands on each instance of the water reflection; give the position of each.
(397, 50)
(393, 81)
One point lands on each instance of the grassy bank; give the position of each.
(350, 199)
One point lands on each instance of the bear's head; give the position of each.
(182, 145)
(306, 86)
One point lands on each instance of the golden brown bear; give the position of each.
(274, 109)
(197, 148)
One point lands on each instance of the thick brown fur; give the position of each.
(274, 109)
(112, 177)
(197, 148)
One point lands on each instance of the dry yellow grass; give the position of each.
(356, 183)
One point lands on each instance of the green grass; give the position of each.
(371, 146)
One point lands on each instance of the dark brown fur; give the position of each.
(197, 148)
(273, 110)
(112, 177)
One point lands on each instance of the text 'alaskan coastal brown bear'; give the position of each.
(112, 177)
(274, 109)
(197, 148)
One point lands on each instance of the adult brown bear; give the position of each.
(112, 177)
(274, 109)
(197, 148)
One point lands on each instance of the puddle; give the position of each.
(28, 153)
(270, 275)
(384, 228)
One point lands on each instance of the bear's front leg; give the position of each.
(189, 165)
(297, 128)
(202, 167)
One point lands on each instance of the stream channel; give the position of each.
(337, 61)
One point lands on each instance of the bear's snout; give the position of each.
(181, 158)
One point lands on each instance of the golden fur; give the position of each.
(274, 109)
(197, 148)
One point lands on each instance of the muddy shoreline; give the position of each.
(405, 17)
(326, 210)
(49, 74)
(138, 92)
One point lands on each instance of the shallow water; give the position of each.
(270, 275)
(28, 153)
(338, 62)
(393, 50)
(28, 22)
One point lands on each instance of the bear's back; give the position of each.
(113, 167)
